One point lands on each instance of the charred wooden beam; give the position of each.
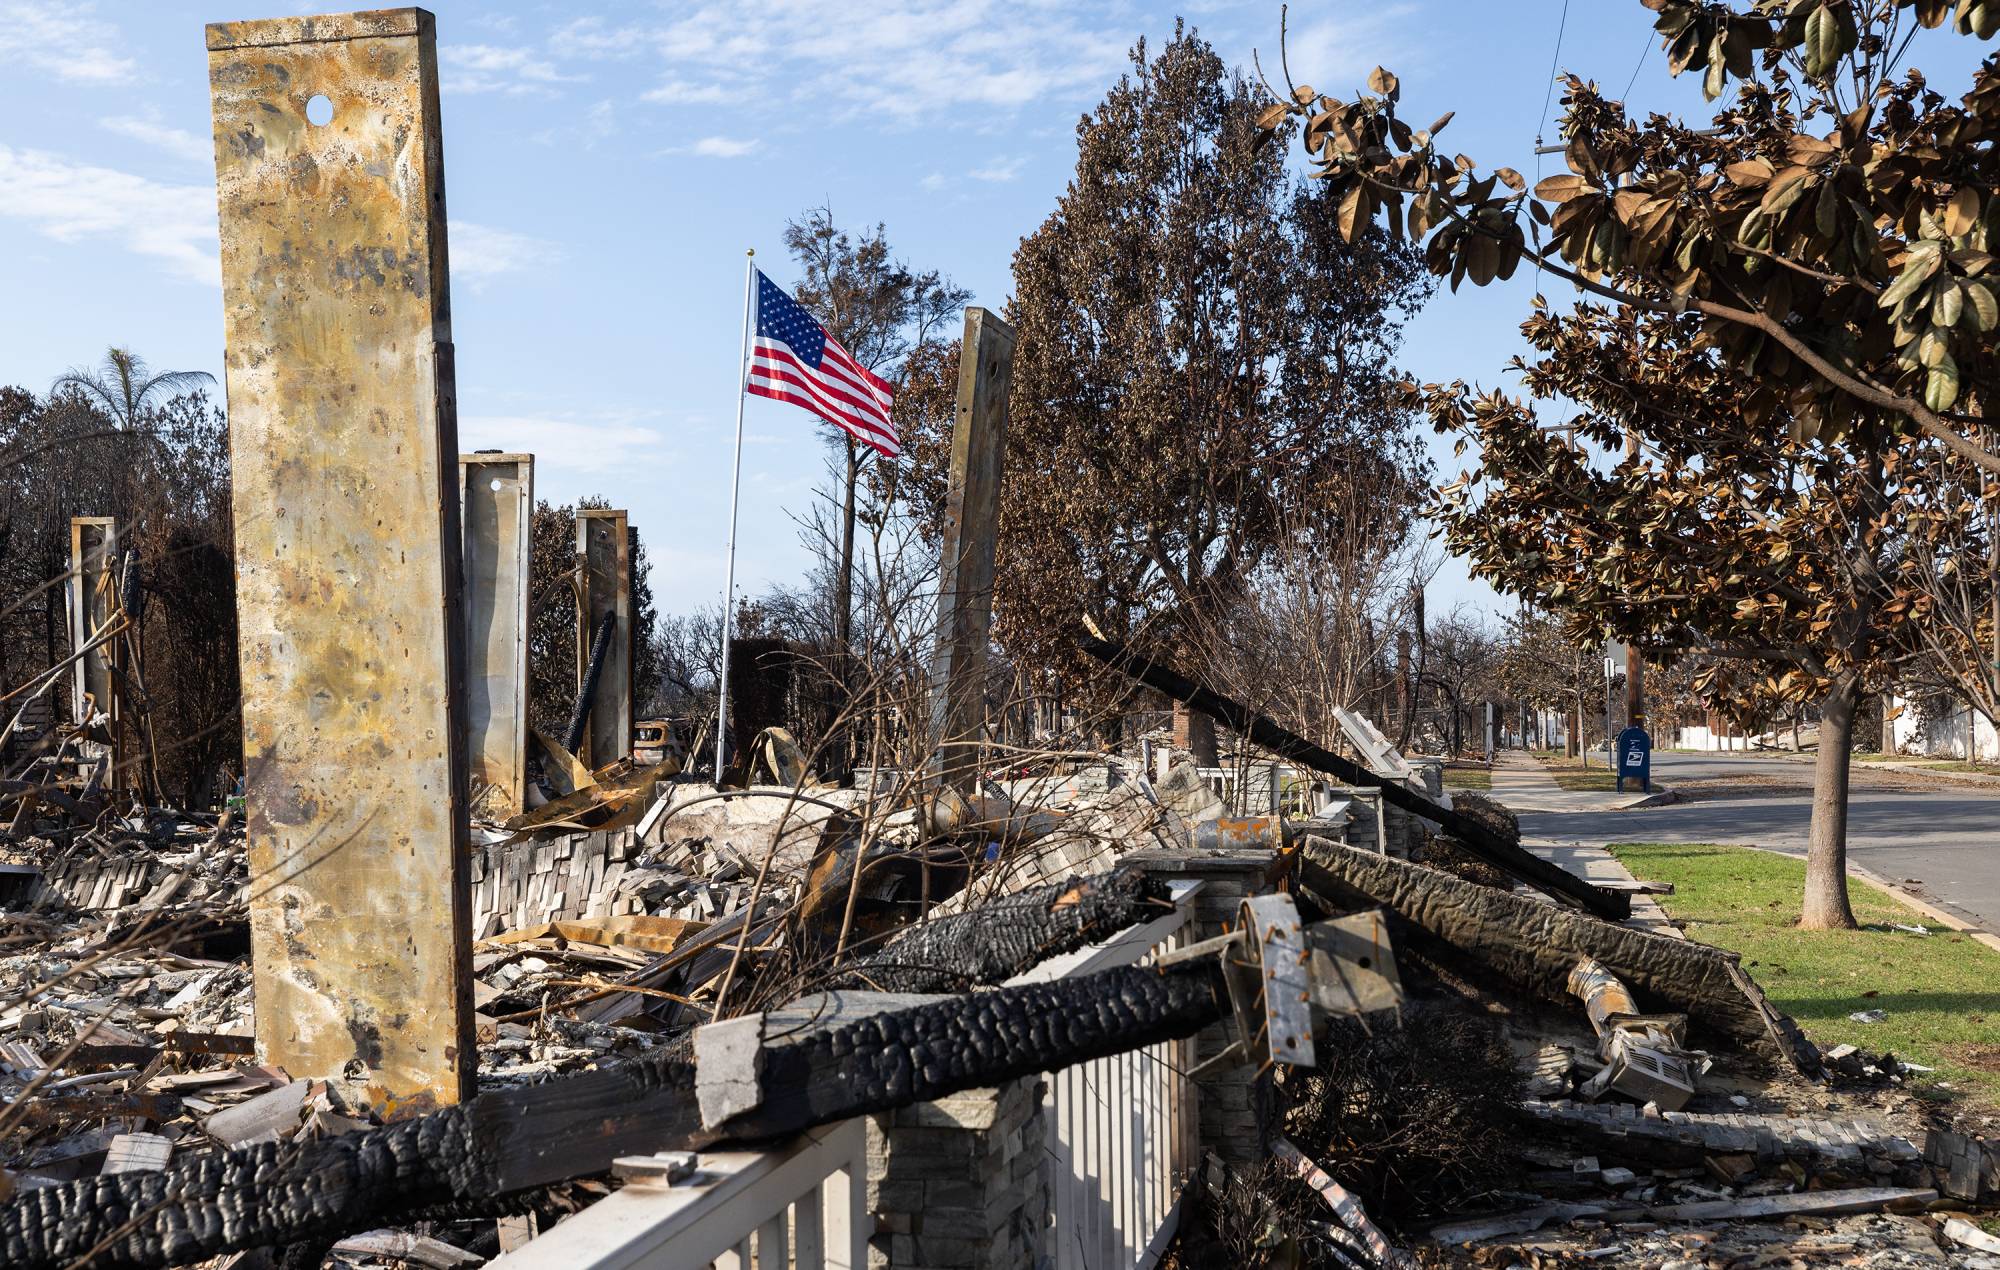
(1006, 936)
(1532, 946)
(510, 1141)
(1469, 833)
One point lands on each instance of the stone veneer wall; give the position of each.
(961, 1183)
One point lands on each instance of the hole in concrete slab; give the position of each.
(319, 110)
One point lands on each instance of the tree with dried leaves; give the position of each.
(1832, 230)
(1785, 563)
(1201, 370)
(880, 309)
(1803, 340)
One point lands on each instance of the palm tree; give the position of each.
(124, 384)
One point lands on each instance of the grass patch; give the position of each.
(1941, 991)
(1468, 778)
(1574, 774)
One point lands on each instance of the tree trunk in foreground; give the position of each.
(1826, 906)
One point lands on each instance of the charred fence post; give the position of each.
(972, 521)
(497, 503)
(603, 553)
(93, 606)
(343, 440)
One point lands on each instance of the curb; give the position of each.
(1950, 921)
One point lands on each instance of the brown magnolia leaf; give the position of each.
(1511, 179)
(1304, 94)
(1562, 187)
(1582, 160)
(1809, 150)
(1442, 120)
(1749, 172)
(1273, 115)
(1962, 213)
(1385, 83)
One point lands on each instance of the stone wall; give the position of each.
(961, 1183)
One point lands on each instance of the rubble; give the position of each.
(602, 949)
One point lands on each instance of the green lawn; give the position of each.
(1941, 991)
(1468, 778)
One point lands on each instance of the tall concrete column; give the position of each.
(344, 445)
(93, 605)
(971, 528)
(603, 552)
(497, 509)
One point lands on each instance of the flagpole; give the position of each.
(735, 486)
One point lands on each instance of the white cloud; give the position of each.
(489, 68)
(679, 92)
(897, 60)
(1335, 54)
(1000, 170)
(591, 38)
(720, 147)
(73, 202)
(573, 445)
(479, 252)
(175, 224)
(149, 131)
(935, 182)
(64, 39)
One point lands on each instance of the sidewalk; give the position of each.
(1524, 785)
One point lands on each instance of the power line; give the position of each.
(1555, 60)
(1548, 95)
(1644, 49)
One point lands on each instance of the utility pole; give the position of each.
(1635, 665)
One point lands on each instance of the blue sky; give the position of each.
(607, 164)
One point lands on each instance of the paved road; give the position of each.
(1947, 836)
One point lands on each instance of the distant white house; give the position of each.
(1702, 737)
(1943, 728)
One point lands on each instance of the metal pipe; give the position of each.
(735, 488)
(600, 646)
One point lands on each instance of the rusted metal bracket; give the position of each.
(1283, 977)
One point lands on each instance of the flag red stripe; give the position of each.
(831, 398)
(845, 360)
(796, 398)
(866, 388)
(789, 380)
(768, 360)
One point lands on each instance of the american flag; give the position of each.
(793, 359)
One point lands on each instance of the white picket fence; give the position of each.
(1122, 1141)
(1123, 1131)
(803, 1205)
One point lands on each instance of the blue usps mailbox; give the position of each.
(1635, 758)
